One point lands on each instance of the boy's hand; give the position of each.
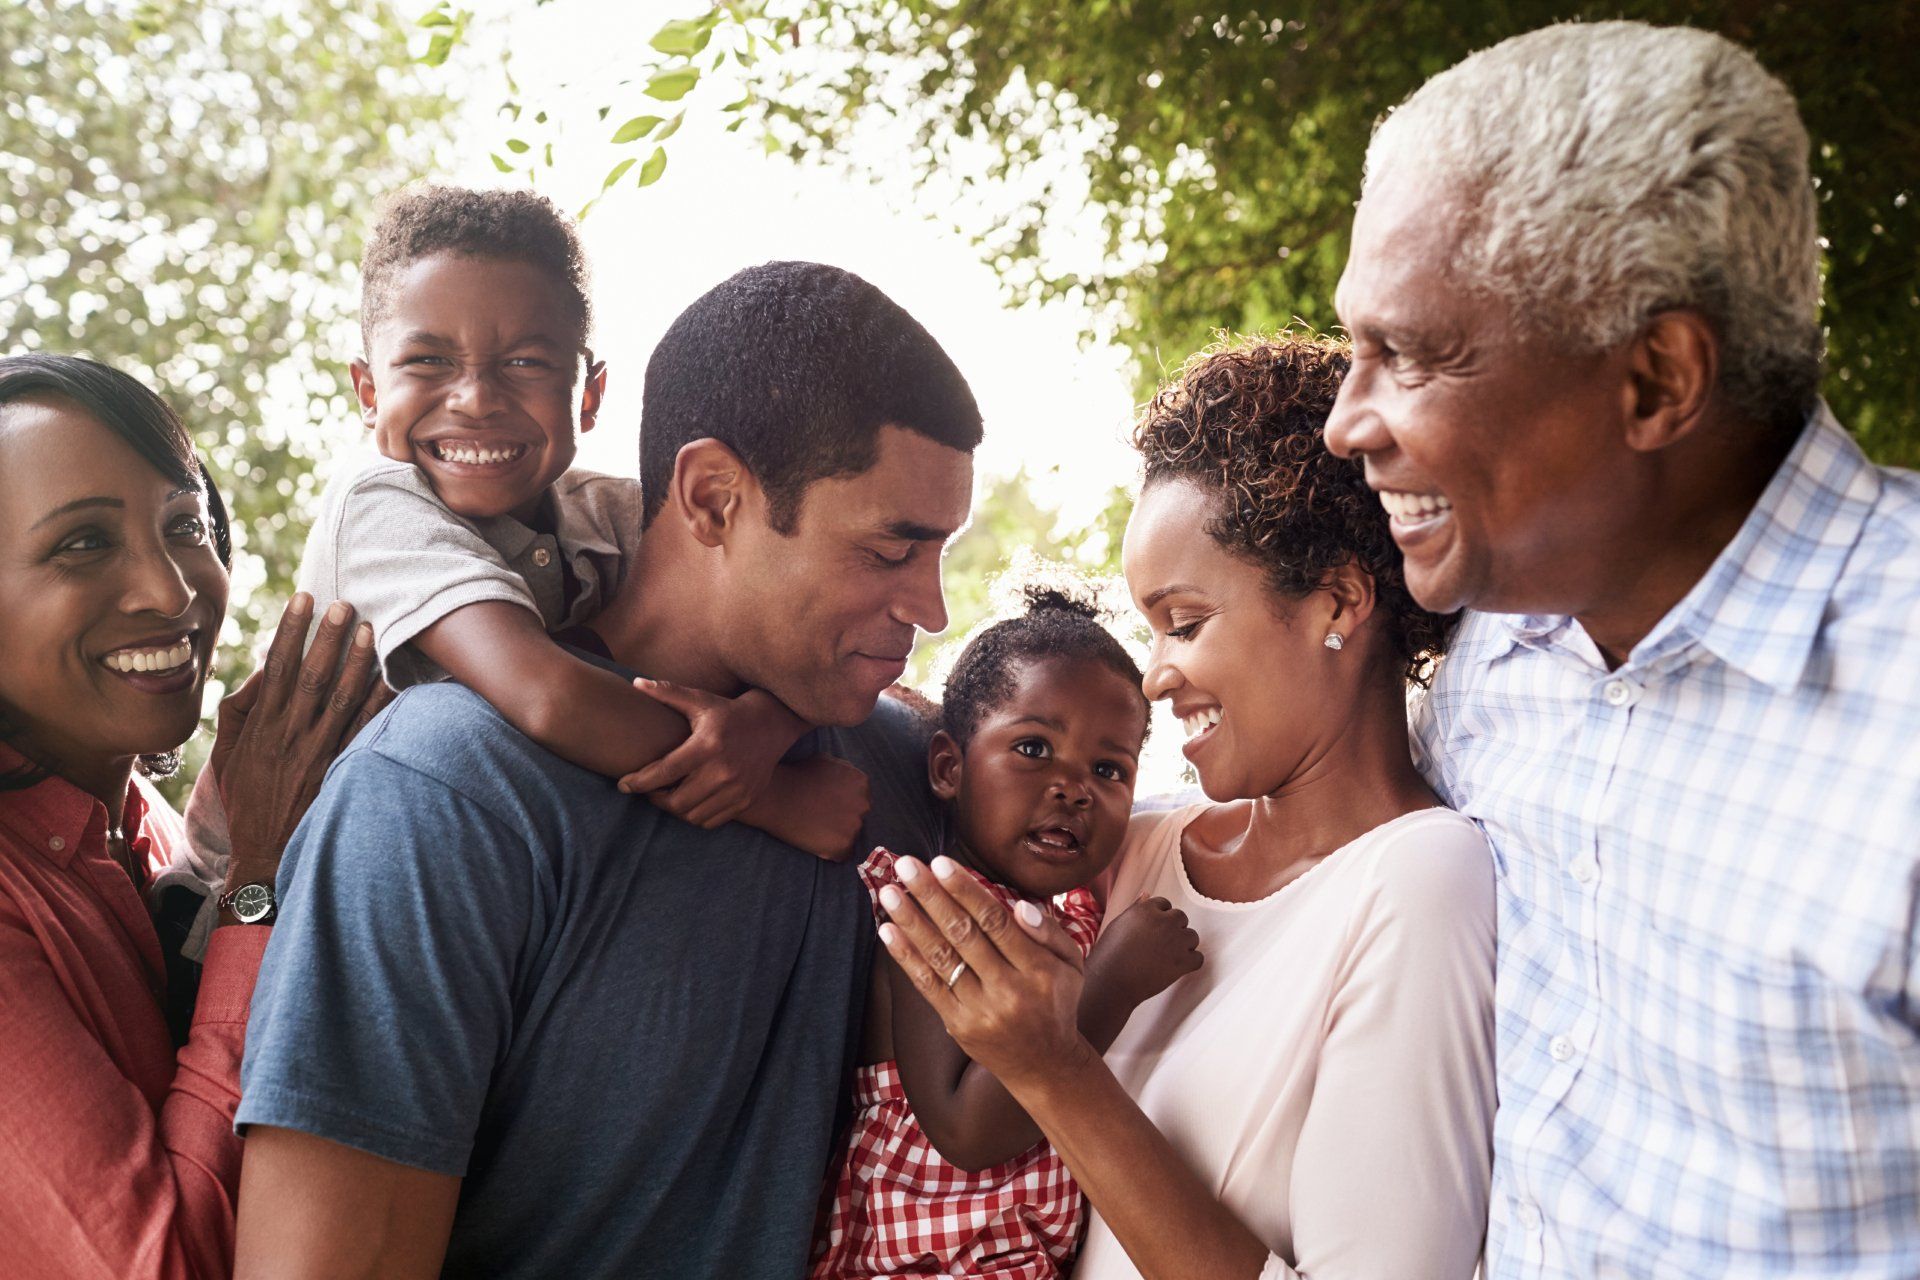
(724, 764)
(818, 804)
(1142, 953)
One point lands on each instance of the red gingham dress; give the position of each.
(900, 1210)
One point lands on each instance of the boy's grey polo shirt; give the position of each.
(632, 1037)
(386, 544)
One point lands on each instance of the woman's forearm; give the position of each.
(1170, 1224)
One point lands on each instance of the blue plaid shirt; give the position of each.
(1709, 879)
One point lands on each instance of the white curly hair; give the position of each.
(1613, 170)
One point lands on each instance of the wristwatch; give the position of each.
(252, 903)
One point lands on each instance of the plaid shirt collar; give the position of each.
(1760, 605)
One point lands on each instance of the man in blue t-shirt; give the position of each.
(515, 1023)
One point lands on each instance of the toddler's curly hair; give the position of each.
(1246, 420)
(1060, 620)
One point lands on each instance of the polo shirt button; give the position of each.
(56, 844)
(1561, 1048)
(1584, 868)
(542, 557)
(1619, 693)
(1529, 1216)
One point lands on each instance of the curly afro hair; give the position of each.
(1058, 622)
(518, 226)
(1246, 420)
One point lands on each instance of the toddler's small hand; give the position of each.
(1144, 951)
(720, 769)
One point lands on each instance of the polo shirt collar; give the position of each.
(1759, 606)
(58, 818)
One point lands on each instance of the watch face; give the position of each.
(252, 903)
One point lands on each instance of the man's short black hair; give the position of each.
(796, 366)
(518, 226)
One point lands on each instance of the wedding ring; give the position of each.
(955, 975)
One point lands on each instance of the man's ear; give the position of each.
(364, 389)
(1672, 368)
(945, 761)
(711, 488)
(1350, 590)
(593, 392)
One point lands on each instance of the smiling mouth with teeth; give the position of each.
(158, 661)
(1200, 721)
(475, 455)
(1412, 508)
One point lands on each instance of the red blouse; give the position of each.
(117, 1155)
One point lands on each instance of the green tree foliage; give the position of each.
(183, 186)
(1221, 148)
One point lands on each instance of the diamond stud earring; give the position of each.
(1333, 640)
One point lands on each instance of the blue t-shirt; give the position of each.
(632, 1037)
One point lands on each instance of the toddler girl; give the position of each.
(944, 1175)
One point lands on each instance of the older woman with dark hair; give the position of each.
(1317, 1100)
(117, 1152)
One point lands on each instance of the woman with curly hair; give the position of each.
(1316, 1100)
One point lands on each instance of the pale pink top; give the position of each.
(1328, 1072)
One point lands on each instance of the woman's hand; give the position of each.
(280, 730)
(1014, 1008)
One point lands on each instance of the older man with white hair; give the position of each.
(1583, 293)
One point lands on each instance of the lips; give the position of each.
(1200, 721)
(156, 664)
(1410, 510)
(1057, 842)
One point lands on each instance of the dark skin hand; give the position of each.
(280, 730)
(962, 1107)
(1015, 1012)
(706, 759)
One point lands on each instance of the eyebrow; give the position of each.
(424, 338)
(81, 504)
(913, 531)
(1154, 597)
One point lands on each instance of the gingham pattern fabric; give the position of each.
(1707, 864)
(900, 1210)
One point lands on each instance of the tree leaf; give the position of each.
(516, 146)
(435, 18)
(635, 129)
(437, 49)
(619, 171)
(671, 86)
(683, 37)
(501, 163)
(655, 166)
(672, 127)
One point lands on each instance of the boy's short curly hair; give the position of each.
(1058, 622)
(1246, 420)
(520, 226)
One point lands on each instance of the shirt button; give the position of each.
(1584, 868)
(56, 844)
(1561, 1048)
(1619, 693)
(1529, 1216)
(543, 557)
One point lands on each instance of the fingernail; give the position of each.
(891, 898)
(301, 602)
(887, 934)
(338, 611)
(944, 867)
(907, 869)
(1029, 915)
(363, 636)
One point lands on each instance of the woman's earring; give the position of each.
(1333, 640)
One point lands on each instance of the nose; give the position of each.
(1073, 788)
(1162, 677)
(1355, 427)
(475, 394)
(155, 584)
(921, 601)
